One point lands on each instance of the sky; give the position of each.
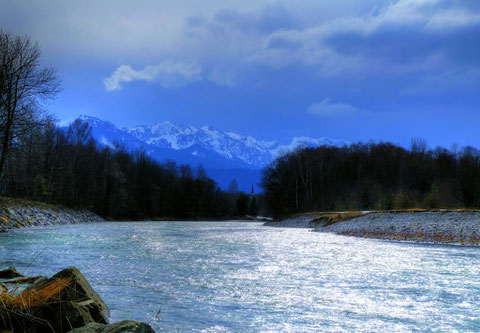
(354, 70)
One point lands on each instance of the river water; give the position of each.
(242, 277)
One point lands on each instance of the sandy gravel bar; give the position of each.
(442, 227)
(438, 227)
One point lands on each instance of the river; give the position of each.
(242, 277)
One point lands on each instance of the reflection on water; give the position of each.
(232, 276)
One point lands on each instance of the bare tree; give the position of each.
(79, 132)
(24, 88)
(418, 146)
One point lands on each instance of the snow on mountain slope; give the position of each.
(205, 142)
(109, 135)
(309, 142)
(180, 137)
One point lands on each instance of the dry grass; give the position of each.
(408, 210)
(356, 213)
(16, 314)
(23, 280)
(331, 218)
(33, 297)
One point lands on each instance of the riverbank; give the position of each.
(441, 226)
(19, 213)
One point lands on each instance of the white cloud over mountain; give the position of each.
(168, 74)
(328, 109)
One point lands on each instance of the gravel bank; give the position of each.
(438, 227)
(16, 213)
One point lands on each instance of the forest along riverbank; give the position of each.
(461, 227)
(19, 213)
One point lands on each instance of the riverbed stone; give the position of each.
(59, 304)
(79, 290)
(9, 273)
(126, 326)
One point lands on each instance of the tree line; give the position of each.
(68, 167)
(372, 176)
(41, 161)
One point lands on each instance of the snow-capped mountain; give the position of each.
(232, 146)
(228, 145)
(216, 150)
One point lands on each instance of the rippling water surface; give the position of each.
(233, 276)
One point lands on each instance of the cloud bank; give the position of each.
(407, 37)
(231, 43)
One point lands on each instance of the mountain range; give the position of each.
(225, 155)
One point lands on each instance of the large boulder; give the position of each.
(9, 273)
(79, 290)
(59, 304)
(126, 326)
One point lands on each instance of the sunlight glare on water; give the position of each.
(233, 276)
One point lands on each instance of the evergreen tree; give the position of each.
(233, 187)
(242, 204)
(253, 206)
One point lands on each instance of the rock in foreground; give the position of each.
(59, 304)
(126, 326)
(9, 273)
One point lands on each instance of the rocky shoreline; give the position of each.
(19, 213)
(457, 227)
(63, 303)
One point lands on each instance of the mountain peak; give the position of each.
(208, 128)
(85, 117)
(241, 150)
(92, 121)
